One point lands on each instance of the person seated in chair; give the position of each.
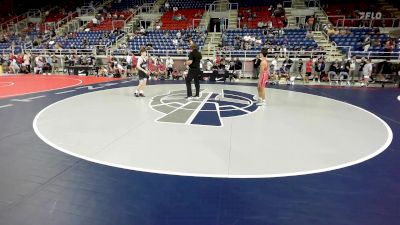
(153, 69)
(333, 72)
(344, 72)
(162, 70)
(237, 69)
(176, 75)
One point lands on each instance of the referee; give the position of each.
(194, 72)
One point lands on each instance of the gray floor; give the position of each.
(293, 134)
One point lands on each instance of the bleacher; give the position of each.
(256, 3)
(350, 11)
(296, 40)
(128, 4)
(163, 44)
(185, 4)
(355, 40)
(109, 24)
(168, 22)
(12, 42)
(54, 16)
(94, 38)
(262, 15)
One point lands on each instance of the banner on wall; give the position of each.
(370, 15)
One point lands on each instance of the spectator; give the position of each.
(352, 70)
(175, 42)
(287, 64)
(367, 43)
(334, 70)
(256, 67)
(300, 70)
(27, 62)
(39, 62)
(376, 42)
(282, 51)
(166, 5)
(271, 9)
(179, 51)
(170, 64)
(142, 30)
(14, 67)
(198, 14)
(319, 68)
(344, 72)
(309, 35)
(237, 70)
(388, 49)
(366, 72)
(360, 70)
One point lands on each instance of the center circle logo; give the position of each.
(207, 110)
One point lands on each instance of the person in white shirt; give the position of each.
(39, 65)
(274, 68)
(129, 64)
(367, 71)
(27, 62)
(269, 24)
(174, 9)
(166, 5)
(170, 65)
(95, 21)
(175, 42)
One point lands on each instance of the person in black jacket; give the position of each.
(194, 71)
(256, 66)
(237, 69)
(334, 70)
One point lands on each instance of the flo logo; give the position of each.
(208, 110)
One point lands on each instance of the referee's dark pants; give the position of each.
(193, 74)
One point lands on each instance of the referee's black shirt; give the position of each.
(195, 56)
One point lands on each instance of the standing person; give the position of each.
(287, 65)
(263, 76)
(194, 72)
(256, 66)
(27, 61)
(334, 71)
(309, 69)
(128, 65)
(318, 68)
(143, 72)
(300, 69)
(360, 69)
(170, 66)
(344, 74)
(367, 71)
(274, 69)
